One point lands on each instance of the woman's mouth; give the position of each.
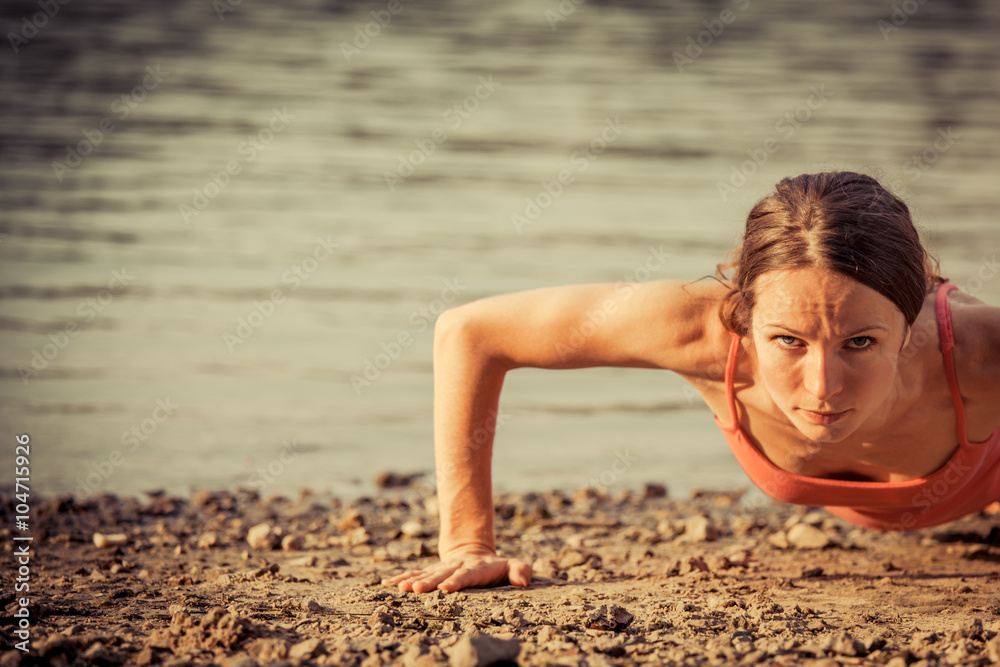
(823, 418)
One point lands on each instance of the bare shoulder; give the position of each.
(977, 355)
(694, 337)
(665, 324)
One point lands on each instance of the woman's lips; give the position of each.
(823, 418)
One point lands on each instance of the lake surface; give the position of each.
(212, 216)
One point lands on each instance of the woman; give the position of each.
(841, 368)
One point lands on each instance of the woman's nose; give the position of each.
(823, 376)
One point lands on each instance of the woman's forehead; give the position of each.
(811, 295)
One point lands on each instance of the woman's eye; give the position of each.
(785, 341)
(861, 342)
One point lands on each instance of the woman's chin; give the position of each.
(824, 432)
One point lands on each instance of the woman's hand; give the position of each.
(464, 570)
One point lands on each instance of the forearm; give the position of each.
(467, 384)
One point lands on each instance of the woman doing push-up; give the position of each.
(842, 369)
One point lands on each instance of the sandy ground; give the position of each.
(638, 578)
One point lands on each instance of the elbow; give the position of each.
(452, 330)
(461, 333)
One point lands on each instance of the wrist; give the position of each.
(453, 551)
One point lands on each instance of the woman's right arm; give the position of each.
(660, 324)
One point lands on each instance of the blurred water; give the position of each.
(309, 118)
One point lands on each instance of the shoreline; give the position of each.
(636, 578)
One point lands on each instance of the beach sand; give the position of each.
(634, 578)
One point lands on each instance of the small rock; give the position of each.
(804, 536)
(261, 536)
(614, 619)
(350, 520)
(545, 567)
(301, 561)
(547, 634)
(311, 605)
(105, 541)
(993, 649)
(388, 480)
(357, 537)
(847, 645)
(571, 558)
(968, 629)
(291, 543)
(779, 540)
(208, 540)
(814, 518)
(653, 490)
(412, 529)
(699, 529)
(306, 649)
(666, 528)
(479, 650)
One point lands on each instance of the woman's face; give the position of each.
(827, 349)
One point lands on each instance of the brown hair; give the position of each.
(840, 220)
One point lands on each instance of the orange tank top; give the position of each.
(968, 482)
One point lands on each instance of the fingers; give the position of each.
(392, 581)
(419, 581)
(520, 573)
(458, 580)
(452, 577)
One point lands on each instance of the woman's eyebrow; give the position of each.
(871, 327)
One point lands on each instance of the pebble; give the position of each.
(105, 541)
(306, 649)
(310, 604)
(571, 558)
(301, 561)
(545, 567)
(350, 520)
(616, 618)
(804, 536)
(291, 543)
(479, 650)
(208, 540)
(412, 529)
(388, 480)
(652, 490)
(261, 537)
(699, 529)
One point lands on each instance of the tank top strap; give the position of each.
(946, 334)
(734, 350)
